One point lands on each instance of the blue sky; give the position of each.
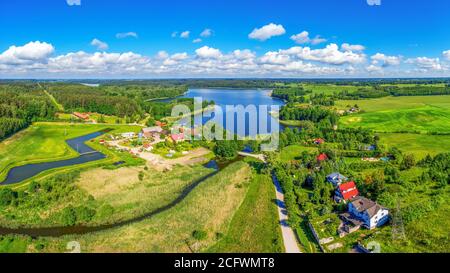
(411, 38)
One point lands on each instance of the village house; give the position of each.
(81, 116)
(336, 179)
(322, 157)
(176, 138)
(319, 141)
(151, 131)
(160, 124)
(369, 212)
(346, 191)
(128, 135)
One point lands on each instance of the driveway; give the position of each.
(289, 238)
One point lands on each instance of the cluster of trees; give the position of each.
(53, 189)
(158, 110)
(438, 169)
(419, 90)
(292, 94)
(362, 93)
(315, 114)
(21, 104)
(321, 99)
(383, 91)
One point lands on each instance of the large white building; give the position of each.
(369, 212)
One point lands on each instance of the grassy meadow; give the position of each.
(207, 210)
(45, 141)
(115, 195)
(255, 227)
(418, 144)
(420, 114)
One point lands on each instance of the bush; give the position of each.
(68, 216)
(199, 235)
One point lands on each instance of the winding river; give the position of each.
(87, 154)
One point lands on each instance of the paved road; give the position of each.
(289, 238)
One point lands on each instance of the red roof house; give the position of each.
(347, 191)
(319, 141)
(81, 116)
(322, 157)
(160, 124)
(177, 137)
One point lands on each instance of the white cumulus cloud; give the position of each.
(207, 52)
(329, 55)
(426, 64)
(198, 40)
(303, 38)
(31, 52)
(267, 32)
(99, 44)
(349, 47)
(385, 60)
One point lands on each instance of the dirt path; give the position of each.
(289, 238)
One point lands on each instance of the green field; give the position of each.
(255, 227)
(293, 151)
(418, 144)
(43, 142)
(400, 114)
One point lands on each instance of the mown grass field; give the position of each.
(293, 151)
(209, 208)
(400, 114)
(255, 227)
(43, 142)
(418, 144)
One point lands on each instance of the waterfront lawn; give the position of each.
(45, 141)
(255, 227)
(207, 210)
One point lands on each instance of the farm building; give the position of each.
(336, 179)
(81, 116)
(370, 213)
(151, 131)
(346, 191)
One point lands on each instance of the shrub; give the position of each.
(199, 234)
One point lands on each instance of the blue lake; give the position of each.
(244, 97)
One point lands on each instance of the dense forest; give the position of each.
(315, 114)
(21, 104)
(123, 100)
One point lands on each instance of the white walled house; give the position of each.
(369, 212)
(336, 179)
(128, 135)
